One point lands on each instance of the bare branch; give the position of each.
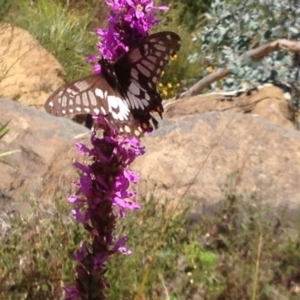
(255, 54)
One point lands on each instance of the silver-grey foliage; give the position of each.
(235, 27)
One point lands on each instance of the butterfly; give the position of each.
(125, 92)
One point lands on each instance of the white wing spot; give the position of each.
(99, 93)
(133, 100)
(103, 110)
(96, 111)
(77, 100)
(85, 100)
(169, 37)
(148, 64)
(154, 79)
(86, 109)
(160, 47)
(63, 112)
(137, 54)
(127, 128)
(93, 99)
(134, 89)
(50, 104)
(152, 58)
(71, 92)
(150, 84)
(158, 71)
(81, 85)
(143, 70)
(115, 103)
(78, 108)
(71, 110)
(157, 53)
(64, 101)
(145, 102)
(134, 74)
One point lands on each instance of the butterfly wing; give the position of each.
(126, 92)
(93, 95)
(145, 63)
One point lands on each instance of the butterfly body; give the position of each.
(125, 92)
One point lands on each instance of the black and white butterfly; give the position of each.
(125, 92)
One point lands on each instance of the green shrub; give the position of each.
(34, 252)
(5, 6)
(245, 250)
(189, 12)
(62, 31)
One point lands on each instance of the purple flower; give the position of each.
(120, 246)
(129, 21)
(72, 293)
(80, 254)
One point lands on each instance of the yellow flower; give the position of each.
(174, 57)
(169, 85)
(165, 93)
(210, 69)
(160, 84)
(178, 84)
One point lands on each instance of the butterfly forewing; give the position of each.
(87, 95)
(93, 95)
(147, 61)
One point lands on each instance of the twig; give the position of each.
(254, 54)
(257, 265)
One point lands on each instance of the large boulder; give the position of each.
(206, 157)
(269, 101)
(28, 72)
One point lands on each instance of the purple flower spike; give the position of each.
(103, 190)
